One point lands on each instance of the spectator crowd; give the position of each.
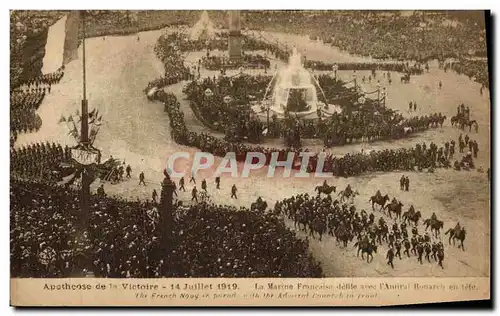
(123, 240)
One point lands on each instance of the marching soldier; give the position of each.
(391, 239)
(181, 185)
(390, 257)
(204, 185)
(141, 178)
(398, 248)
(428, 250)
(407, 184)
(155, 195)
(217, 182)
(420, 251)
(233, 191)
(129, 170)
(434, 249)
(407, 245)
(395, 226)
(192, 177)
(194, 194)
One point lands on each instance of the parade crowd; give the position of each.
(323, 215)
(39, 161)
(25, 101)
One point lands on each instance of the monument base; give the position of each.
(235, 51)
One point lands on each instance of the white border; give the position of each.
(147, 4)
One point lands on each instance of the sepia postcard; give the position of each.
(249, 158)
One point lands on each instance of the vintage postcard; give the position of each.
(249, 158)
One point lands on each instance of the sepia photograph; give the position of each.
(249, 156)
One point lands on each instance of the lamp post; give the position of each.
(384, 94)
(378, 92)
(268, 106)
(354, 75)
(335, 67)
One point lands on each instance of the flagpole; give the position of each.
(85, 109)
(84, 138)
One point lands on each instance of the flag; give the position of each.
(71, 40)
(74, 132)
(62, 119)
(93, 133)
(93, 116)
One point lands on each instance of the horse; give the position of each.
(471, 123)
(457, 233)
(261, 207)
(368, 248)
(380, 200)
(454, 120)
(441, 120)
(395, 208)
(328, 189)
(346, 195)
(436, 225)
(299, 218)
(412, 218)
(318, 226)
(407, 130)
(342, 234)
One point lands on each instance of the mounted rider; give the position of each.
(348, 190)
(433, 217)
(394, 201)
(411, 211)
(259, 201)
